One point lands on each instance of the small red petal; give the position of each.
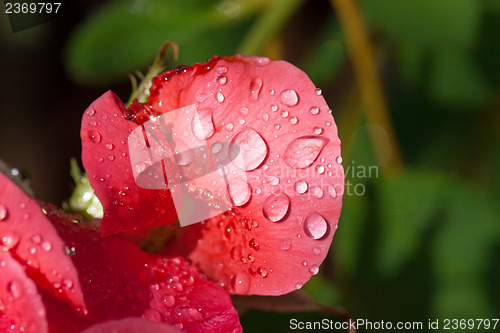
(19, 298)
(26, 232)
(281, 229)
(105, 156)
(120, 280)
(131, 325)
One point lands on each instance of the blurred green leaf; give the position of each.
(125, 35)
(406, 205)
(456, 81)
(426, 22)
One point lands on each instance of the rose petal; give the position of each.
(32, 240)
(276, 240)
(131, 325)
(19, 298)
(120, 280)
(105, 157)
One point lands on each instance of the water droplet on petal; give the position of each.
(110, 146)
(229, 126)
(339, 159)
(216, 147)
(90, 112)
(36, 239)
(184, 157)
(222, 80)
(4, 213)
(242, 121)
(314, 269)
(93, 123)
(95, 136)
(265, 116)
(318, 91)
(221, 69)
(277, 126)
(251, 146)
(320, 169)
(47, 246)
(241, 283)
(202, 125)
(332, 192)
(240, 192)
(276, 207)
(289, 97)
(317, 130)
(220, 97)
(317, 192)
(271, 92)
(273, 180)
(314, 110)
(8, 241)
(255, 88)
(303, 151)
(285, 244)
(244, 111)
(274, 108)
(68, 283)
(301, 186)
(317, 251)
(168, 301)
(315, 226)
(293, 120)
(262, 271)
(260, 61)
(284, 113)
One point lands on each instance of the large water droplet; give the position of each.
(301, 186)
(262, 271)
(314, 269)
(255, 88)
(289, 97)
(90, 112)
(320, 169)
(241, 283)
(251, 146)
(240, 192)
(221, 69)
(315, 226)
(314, 110)
(110, 146)
(303, 151)
(95, 136)
(318, 91)
(293, 120)
(317, 130)
(4, 213)
(202, 125)
(276, 207)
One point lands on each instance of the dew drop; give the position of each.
(8, 241)
(220, 97)
(314, 269)
(241, 283)
(284, 113)
(314, 110)
(262, 271)
(168, 301)
(271, 92)
(222, 79)
(216, 147)
(289, 97)
(260, 61)
(229, 126)
(46, 246)
(317, 251)
(265, 116)
(320, 169)
(240, 192)
(94, 136)
(184, 157)
(315, 226)
(93, 123)
(244, 111)
(303, 151)
(317, 192)
(339, 159)
(110, 146)
(273, 180)
(276, 207)
(90, 112)
(255, 88)
(317, 130)
(4, 213)
(285, 244)
(254, 244)
(202, 125)
(332, 192)
(251, 146)
(274, 108)
(36, 239)
(293, 120)
(221, 69)
(304, 263)
(68, 283)
(242, 121)
(277, 126)
(301, 186)
(318, 91)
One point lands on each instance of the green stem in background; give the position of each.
(372, 93)
(268, 25)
